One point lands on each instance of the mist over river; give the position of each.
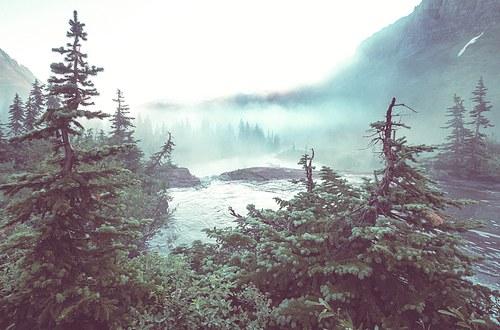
(206, 206)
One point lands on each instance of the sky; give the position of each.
(195, 49)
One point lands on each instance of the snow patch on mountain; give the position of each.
(473, 40)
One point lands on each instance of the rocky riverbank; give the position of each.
(180, 177)
(263, 174)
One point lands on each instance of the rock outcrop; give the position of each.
(263, 174)
(180, 177)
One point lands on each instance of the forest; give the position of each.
(468, 152)
(79, 208)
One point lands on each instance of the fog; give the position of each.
(213, 130)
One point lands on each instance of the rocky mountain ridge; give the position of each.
(415, 59)
(14, 78)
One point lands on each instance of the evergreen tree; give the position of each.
(16, 116)
(456, 147)
(37, 92)
(121, 124)
(71, 267)
(122, 132)
(386, 255)
(52, 101)
(242, 133)
(34, 105)
(4, 146)
(479, 120)
(30, 118)
(162, 158)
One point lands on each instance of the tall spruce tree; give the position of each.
(16, 116)
(70, 270)
(456, 151)
(121, 124)
(34, 105)
(460, 134)
(30, 117)
(479, 121)
(386, 255)
(123, 132)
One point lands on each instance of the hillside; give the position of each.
(416, 60)
(14, 78)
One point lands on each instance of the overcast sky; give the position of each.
(186, 50)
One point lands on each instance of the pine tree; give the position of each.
(4, 146)
(122, 132)
(456, 147)
(163, 157)
(16, 116)
(34, 105)
(71, 266)
(479, 120)
(121, 124)
(383, 255)
(52, 101)
(30, 118)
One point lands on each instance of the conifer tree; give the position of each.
(34, 105)
(30, 118)
(386, 255)
(121, 124)
(52, 101)
(122, 132)
(455, 150)
(16, 116)
(71, 269)
(4, 146)
(163, 157)
(479, 120)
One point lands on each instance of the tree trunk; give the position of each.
(69, 153)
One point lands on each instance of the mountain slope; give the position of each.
(14, 78)
(416, 60)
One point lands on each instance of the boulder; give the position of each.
(263, 174)
(180, 177)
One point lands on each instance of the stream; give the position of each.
(206, 206)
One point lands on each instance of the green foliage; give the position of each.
(479, 120)
(472, 323)
(34, 106)
(469, 153)
(71, 262)
(455, 151)
(147, 201)
(121, 124)
(122, 133)
(185, 300)
(16, 116)
(306, 162)
(385, 254)
(344, 321)
(163, 158)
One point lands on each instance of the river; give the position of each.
(206, 206)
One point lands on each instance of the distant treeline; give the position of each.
(208, 141)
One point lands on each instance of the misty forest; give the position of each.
(87, 195)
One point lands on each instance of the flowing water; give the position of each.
(207, 206)
(484, 241)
